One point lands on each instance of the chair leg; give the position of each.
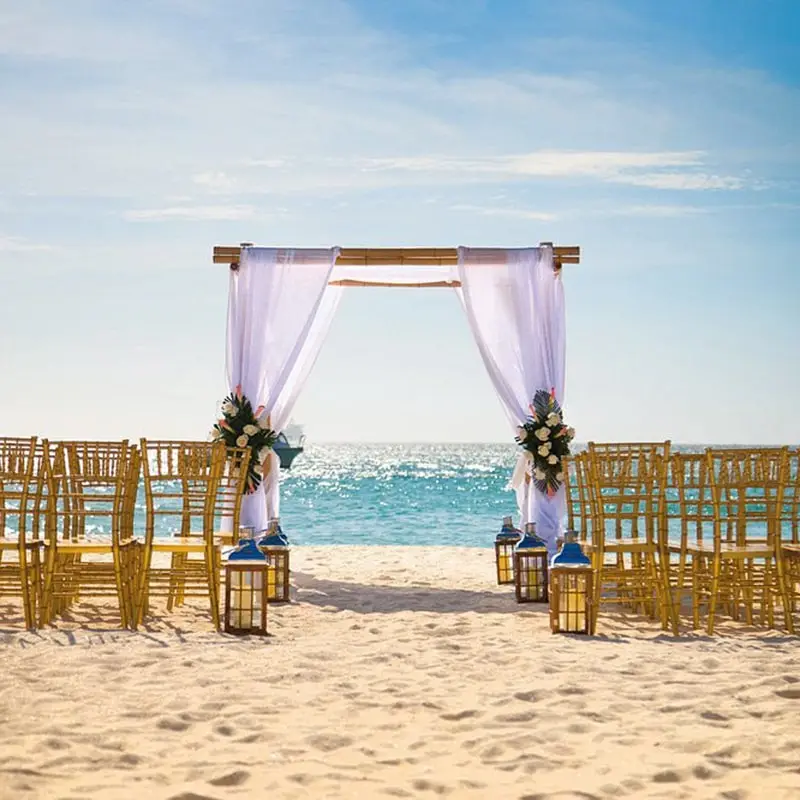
(712, 604)
(788, 620)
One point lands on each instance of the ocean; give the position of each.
(407, 494)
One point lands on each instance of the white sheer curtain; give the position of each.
(279, 309)
(514, 301)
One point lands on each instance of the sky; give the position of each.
(660, 137)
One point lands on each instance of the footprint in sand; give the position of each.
(224, 730)
(423, 785)
(328, 742)
(789, 694)
(528, 697)
(522, 716)
(459, 715)
(191, 796)
(236, 778)
(168, 724)
(560, 796)
(667, 776)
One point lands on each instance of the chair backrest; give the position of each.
(21, 473)
(747, 489)
(576, 485)
(88, 482)
(627, 494)
(790, 507)
(631, 448)
(689, 504)
(182, 485)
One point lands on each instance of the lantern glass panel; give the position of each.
(531, 576)
(504, 554)
(572, 609)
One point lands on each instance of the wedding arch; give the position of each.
(282, 300)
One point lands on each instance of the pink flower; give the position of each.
(239, 391)
(258, 411)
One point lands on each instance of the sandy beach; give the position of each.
(396, 672)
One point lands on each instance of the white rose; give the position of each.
(250, 430)
(263, 422)
(228, 408)
(542, 433)
(257, 469)
(242, 440)
(263, 454)
(552, 459)
(538, 474)
(544, 449)
(522, 433)
(213, 435)
(553, 419)
(560, 477)
(571, 433)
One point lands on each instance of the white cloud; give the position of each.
(518, 213)
(654, 211)
(190, 213)
(683, 181)
(18, 244)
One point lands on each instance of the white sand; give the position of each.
(400, 672)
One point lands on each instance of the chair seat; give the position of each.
(731, 549)
(179, 544)
(792, 550)
(90, 546)
(7, 543)
(628, 546)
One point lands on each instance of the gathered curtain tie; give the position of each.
(522, 470)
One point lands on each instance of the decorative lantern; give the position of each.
(504, 550)
(530, 567)
(246, 572)
(571, 589)
(275, 547)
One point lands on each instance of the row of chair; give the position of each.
(67, 512)
(719, 526)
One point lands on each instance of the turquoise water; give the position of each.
(441, 494)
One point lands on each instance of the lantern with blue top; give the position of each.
(530, 567)
(571, 582)
(504, 550)
(275, 547)
(246, 590)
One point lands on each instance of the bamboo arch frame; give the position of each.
(394, 256)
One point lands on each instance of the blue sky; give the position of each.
(661, 137)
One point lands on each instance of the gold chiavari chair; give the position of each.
(182, 482)
(743, 566)
(20, 513)
(689, 506)
(230, 492)
(90, 550)
(790, 529)
(627, 493)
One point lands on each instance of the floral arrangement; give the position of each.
(240, 426)
(545, 436)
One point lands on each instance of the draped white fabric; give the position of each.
(279, 309)
(514, 301)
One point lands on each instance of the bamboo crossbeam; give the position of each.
(432, 285)
(393, 256)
